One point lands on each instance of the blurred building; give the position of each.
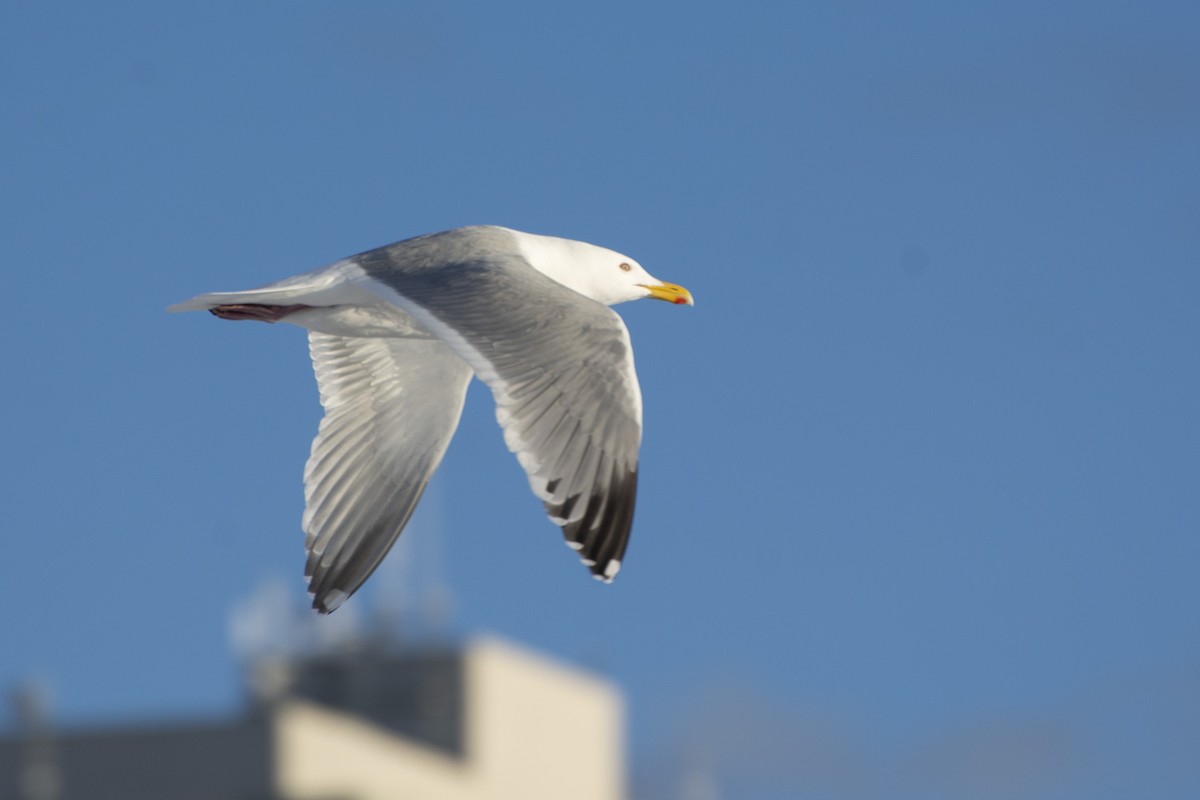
(374, 722)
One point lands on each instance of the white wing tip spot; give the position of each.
(610, 571)
(576, 546)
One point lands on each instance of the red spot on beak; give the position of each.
(679, 301)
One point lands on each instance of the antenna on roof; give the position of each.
(413, 600)
(409, 598)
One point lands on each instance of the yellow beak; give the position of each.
(671, 292)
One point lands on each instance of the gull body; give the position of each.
(396, 334)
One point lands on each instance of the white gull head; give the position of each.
(599, 273)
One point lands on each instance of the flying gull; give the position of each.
(396, 334)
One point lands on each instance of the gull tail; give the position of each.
(327, 286)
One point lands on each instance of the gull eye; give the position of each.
(625, 266)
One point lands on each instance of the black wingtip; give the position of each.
(601, 535)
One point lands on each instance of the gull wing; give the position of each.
(391, 407)
(560, 367)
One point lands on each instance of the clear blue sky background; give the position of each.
(920, 500)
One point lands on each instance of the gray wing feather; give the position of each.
(559, 365)
(391, 407)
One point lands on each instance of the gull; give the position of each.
(396, 334)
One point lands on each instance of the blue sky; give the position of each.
(920, 485)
